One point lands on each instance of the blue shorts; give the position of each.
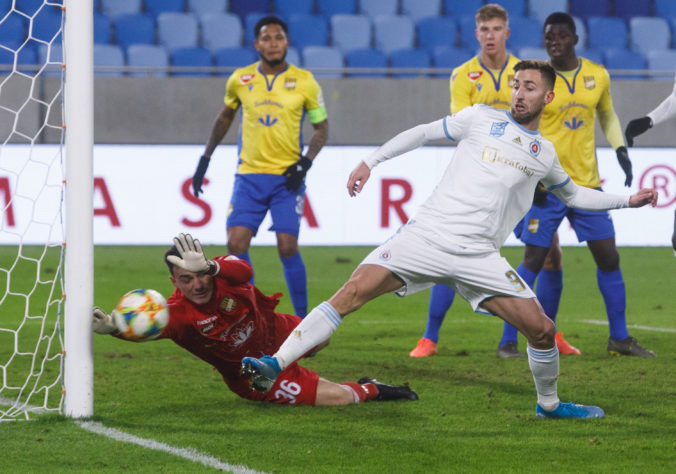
(254, 194)
(541, 222)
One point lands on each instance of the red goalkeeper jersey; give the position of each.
(239, 321)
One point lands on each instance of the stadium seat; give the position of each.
(293, 57)
(12, 30)
(449, 57)
(378, 7)
(585, 8)
(234, 57)
(249, 25)
(391, 32)
(366, 58)
(458, 8)
(308, 30)
(533, 53)
(436, 31)
(46, 23)
(134, 28)
(665, 8)
(648, 33)
(409, 58)
(624, 59)
(336, 7)
(350, 32)
(513, 7)
(285, 8)
(417, 9)
(627, 9)
(246, 7)
(102, 30)
(323, 57)
(191, 56)
(155, 7)
(467, 27)
(594, 55)
(221, 30)
(541, 9)
(581, 30)
(177, 30)
(606, 32)
(662, 60)
(524, 32)
(108, 55)
(147, 55)
(200, 7)
(113, 8)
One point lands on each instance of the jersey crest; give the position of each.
(589, 82)
(474, 75)
(534, 147)
(290, 83)
(228, 304)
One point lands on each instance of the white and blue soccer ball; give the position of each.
(141, 315)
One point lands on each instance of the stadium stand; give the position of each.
(102, 28)
(284, 8)
(665, 8)
(541, 9)
(155, 7)
(246, 7)
(200, 7)
(467, 25)
(147, 55)
(177, 30)
(350, 32)
(458, 8)
(627, 9)
(450, 57)
(409, 58)
(329, 8)
(436, 31)
(514, 7)
(292, 56)
(595, 55)
(108, 55)
(662, 60)
(249, 25)
(648, 33)
(624, 59)
(606, 32)
(581, 30)
(234, 57)
(323, 57)
(533, 53)
(586, 8)
(134, 28)
(524, 32)
(366, 58)
(113, 8)
(220, 30)
(190, 56)
(308, 30)
(391, 32)
(378, 7)
(417, 9)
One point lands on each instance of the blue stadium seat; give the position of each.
(624, 59)
(513, 7)
(200, 7)
(665, 8)
(594, 55)
(662, 60)
(46, 23)
(155, 7)
(249, 25)
(436, 31)
(366, 58)
(177, 30)
(541, 9)
(12, 30)
(581, 30)
(524, 32)
(285, 8)
(234, 57)
(533, 53)
(293, 56)
(391, 32)
(585, 8)
(108, 55)
(134, 28)
(606, 32)
(246, 7)
(336, 7)
(458, 8)
(350, 32)
(649, 33)
(378, 7)
(626, 9)
(323, 57)
(417, 9)
(192, 56)
(409, 58)
(147, 55)
(112, 8)
(450, 57)
(467, 26)
(102, 31)
(308, 30)
(221, 30)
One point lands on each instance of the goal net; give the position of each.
(33, 196)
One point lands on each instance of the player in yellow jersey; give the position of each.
(273, 98)
(582, 91)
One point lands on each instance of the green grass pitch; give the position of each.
(476, 413)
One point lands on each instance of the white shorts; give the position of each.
(421, 265)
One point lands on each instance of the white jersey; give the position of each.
(488, 186)
(666, 109)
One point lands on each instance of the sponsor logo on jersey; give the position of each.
(574, 123)
(385, 255)
(474, 75)
(589, 82)
(290, 83)
(490, 155)
(240, 335)
(228, 304)
(534, 147)
(533, 225)
(517, 140)
(498, 129)
(267, 121)
(245, 78)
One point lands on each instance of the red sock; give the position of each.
(365, 392)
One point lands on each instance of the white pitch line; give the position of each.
(187, 453)
(632, 326)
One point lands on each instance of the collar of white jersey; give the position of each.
(511, 119)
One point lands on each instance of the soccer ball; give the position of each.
(141, 315)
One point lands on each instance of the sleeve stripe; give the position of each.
(556, 186)
(446, 131)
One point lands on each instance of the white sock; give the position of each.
(545, 367)
(315, 328)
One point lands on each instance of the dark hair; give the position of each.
(546, 70)
(172, 251)
(269, 20)
(560, 18)
(490, 11)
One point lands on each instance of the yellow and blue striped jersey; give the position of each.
(273, 108)
(568, 121)
(473, 83)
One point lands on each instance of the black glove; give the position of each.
(198, 177)
(540, 195)
(623, 158)
(295, 174)
(636, 127)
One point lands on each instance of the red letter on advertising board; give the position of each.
(9, 210)
(186, 190)
(309, 214)
(108, 209)
(387, 202)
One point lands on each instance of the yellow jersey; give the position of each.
(568, 121)
(473, 83)
(273, 108)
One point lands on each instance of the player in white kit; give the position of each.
(456, 235)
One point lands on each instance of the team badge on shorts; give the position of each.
(385, 255)
(533, 225)
(534, 147)
(498, 129)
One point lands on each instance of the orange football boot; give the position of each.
(425, 348)
(564, 347)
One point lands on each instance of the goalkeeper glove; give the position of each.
(636, 127)
(191, 255)
(540, 196)
(102, 322)
(623, 158)
(295, 174)
(198, 177)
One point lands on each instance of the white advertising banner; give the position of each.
(142, 195)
